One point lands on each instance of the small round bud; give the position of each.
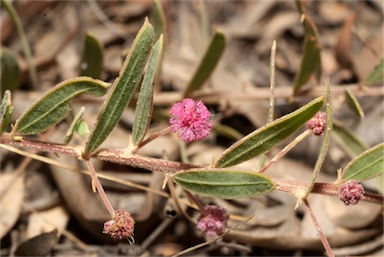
(317, 123)
(190, 120)
(351, 192)
(213, 221)
(121, 226)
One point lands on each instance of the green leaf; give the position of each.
(10, 71)
(268, 136)
(227, 131)
(311, 60)
(347, 140)
(208, 63)
(158, 19)
(92, 60)
(367, 165)
(123, 88)
(224, 183)
(74, 124)
(353, 104)
(377, 76)
(325, 141)
(143, 112)
(53, 106)
(5, 111)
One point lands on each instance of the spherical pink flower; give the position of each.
(351, 192)
(121, 226)
(213, 221)
(190, 120)
(317, 123)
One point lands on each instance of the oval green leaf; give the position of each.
(353, 104)
(53, 106)
(10, 71)
(92, 60)
(143, 111)
(268, 136)
(311, 60)
(367, 165)
(5, 111)
(208, 63)
(224, 183)
(123, 88)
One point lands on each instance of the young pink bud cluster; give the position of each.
(351, 192)
(213, 221)
(190, 120)
(317, 123)
(121, 226)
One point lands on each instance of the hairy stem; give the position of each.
(323, 238)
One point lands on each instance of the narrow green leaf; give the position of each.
(353, 104)
(367, 165)
(227, 131)
(347, 140)
(158, 19)
(325, 141)
(268, 136)
(224, 183)
(311, 60)
(208, 63)
(53, 106)
(5, 111)
(377, 76)
(74, 124)
(10, 71)
(92, 60)
(123, 88)
(143, 112)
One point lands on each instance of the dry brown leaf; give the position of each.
(11, 199)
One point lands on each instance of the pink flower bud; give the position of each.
(190, 120)
(213, 221)
(351, 192)
(317, 123)
(121, 226)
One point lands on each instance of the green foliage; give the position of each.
(367, 165)
(74, 125)
(158, 19)
(5, 111)
(208, 63)
(92, 60)
(53, 106)
(10, 71)
(347, 140)
(377, 76)
(143, 112)
(353, 104)
(224, 183)
(123, 89)
(268, 136)
(311, 60)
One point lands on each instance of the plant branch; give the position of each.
(323, 238)
(167, 168)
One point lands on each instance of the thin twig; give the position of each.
(323, 238)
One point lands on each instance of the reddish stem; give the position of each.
(323, 238)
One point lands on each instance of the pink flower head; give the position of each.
(121, 226)
(213, 221)
(351, 192)
(190, 120)
(317, 123)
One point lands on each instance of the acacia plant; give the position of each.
(191, 120)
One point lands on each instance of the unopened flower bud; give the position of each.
(213, 221)
(317, 123)
(351, 192)
(190, 120)
(121, 226)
